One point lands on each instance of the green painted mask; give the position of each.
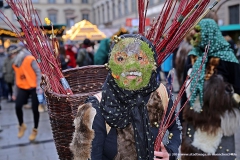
(132, 63)
(196, 37)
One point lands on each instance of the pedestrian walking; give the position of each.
(3, 85)
(85, 53)
(27, 79)
(8, 72)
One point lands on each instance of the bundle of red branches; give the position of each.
(165, 40)
(42, 47)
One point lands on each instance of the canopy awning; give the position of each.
(231, 27)
(82, 30)
(58, 29)
(7, 33)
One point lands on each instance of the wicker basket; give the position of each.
(84, 81)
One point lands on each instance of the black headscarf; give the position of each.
(122, 107)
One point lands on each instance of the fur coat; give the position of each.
(210, 130)
(84, 134)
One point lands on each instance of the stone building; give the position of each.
(228, 12)
(113, 13)
(60, 12)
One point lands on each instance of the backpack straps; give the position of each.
(163, 94)
(99, 97)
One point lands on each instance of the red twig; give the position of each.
(167, 121)
(37, 42)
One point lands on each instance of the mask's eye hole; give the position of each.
(140, 58)
(120, 59)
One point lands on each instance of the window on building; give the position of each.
(68, 1)
(36, 19)
(234, 14)
(103, 13)
(134, 6)
(85, 16)
(113, 10)
(1, 15)
(70, 22)
(84, 1)
(99, 16)
(94, 15)
(108, 12)
(126, 7)
(35, 1)
(119, 8)
(51, 1)
(1, 3)
(53, 17)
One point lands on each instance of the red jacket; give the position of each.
(72, 55)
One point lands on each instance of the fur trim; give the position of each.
(84, 134)
(217, 100)
(211, 67)
(230, 122)
(126, 144)
(196, 106)
(207, 142)
(125, 137)
(188, 92)
(208, 122)
(236, 97)
(155, 109)
(189, 152)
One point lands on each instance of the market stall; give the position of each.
(84, 29)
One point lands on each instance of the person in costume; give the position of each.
(122, 121)
(212, 114)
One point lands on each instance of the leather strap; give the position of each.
(163, 94)
(99, 97)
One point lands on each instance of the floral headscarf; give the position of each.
(219, 47)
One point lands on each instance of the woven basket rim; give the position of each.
(47, 90)
(83, 67)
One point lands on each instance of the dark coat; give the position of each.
(8, 72)
(89, 122)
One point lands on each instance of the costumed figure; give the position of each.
(130, 103)
(213, 115)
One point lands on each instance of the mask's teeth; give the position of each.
(131, 74)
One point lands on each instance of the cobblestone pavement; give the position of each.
(12, 148)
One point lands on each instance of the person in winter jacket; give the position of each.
(27, 83)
